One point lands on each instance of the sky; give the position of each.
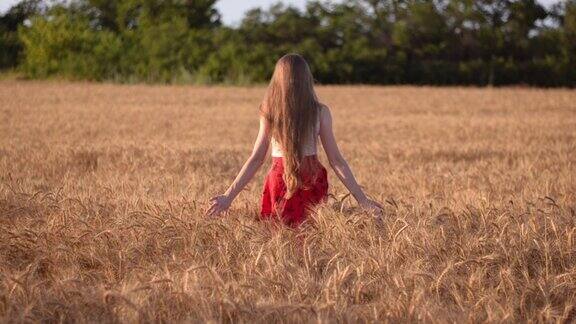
(232, 10)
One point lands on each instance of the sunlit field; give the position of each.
(103, 188)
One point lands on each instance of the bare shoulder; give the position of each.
(264, 125)
(325, 114)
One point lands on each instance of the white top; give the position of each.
(308, 147)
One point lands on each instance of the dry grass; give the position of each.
(102, 189)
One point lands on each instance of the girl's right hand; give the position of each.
(219, 204)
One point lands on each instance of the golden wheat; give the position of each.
(103, 187)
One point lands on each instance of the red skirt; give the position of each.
(293, 211)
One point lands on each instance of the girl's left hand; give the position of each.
(372, 206)
(219, 204)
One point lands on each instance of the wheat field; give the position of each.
(103, 188)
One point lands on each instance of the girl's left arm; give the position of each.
(222, 202)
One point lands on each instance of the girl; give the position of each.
(292, 119)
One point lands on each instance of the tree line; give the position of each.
(437, 42)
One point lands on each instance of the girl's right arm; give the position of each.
(222, 202)
(339, 164)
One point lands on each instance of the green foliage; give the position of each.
(355, 41)
(10, 45)
(66, 45)
(10, 48)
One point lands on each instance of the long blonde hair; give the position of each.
(292, 109)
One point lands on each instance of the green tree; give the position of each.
(351, 41)
(66, 45)
(10, 45)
